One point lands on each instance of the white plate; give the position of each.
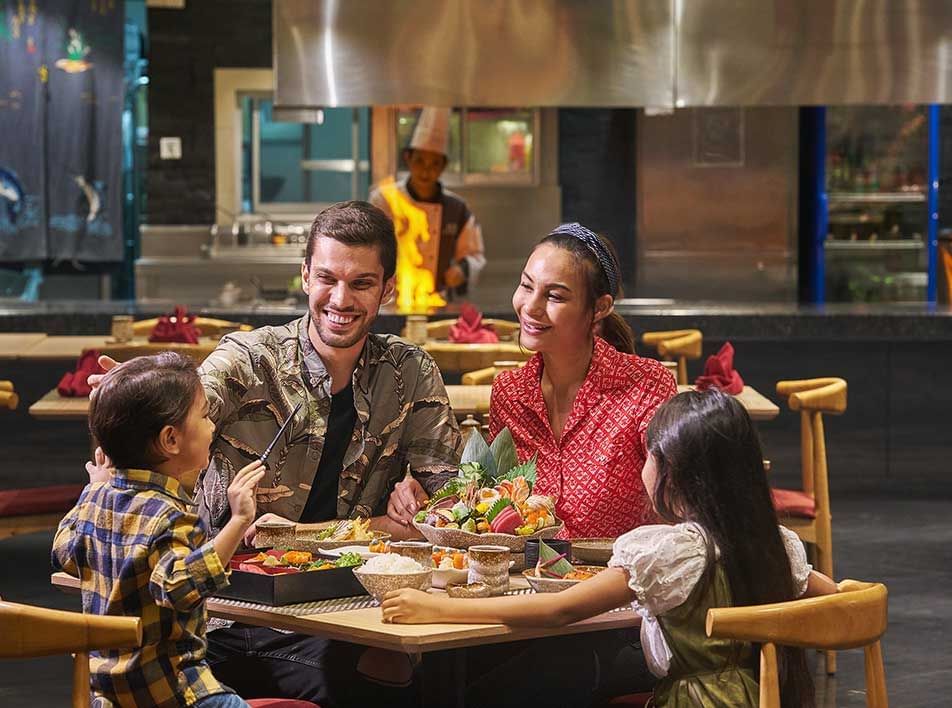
(338, 552)
(442, 578)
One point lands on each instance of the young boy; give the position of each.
(136, 542)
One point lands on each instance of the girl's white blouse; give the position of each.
(664, 564)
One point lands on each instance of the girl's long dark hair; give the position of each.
(710, 471)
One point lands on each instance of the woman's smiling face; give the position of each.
(551, 301)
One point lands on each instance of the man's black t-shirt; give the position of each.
(322, 501)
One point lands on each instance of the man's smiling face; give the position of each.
(345, 288)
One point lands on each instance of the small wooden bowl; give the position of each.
(593, 550)
(556, 584)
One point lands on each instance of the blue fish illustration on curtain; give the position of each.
(11, 192)
(86, 85)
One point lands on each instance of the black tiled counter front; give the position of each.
(891, 438)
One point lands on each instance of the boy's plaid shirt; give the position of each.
(141, 551)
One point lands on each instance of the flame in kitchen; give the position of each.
(416, 287)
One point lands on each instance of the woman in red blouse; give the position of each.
(579, 403)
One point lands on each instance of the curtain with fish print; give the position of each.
(22, 155)
(65, 148)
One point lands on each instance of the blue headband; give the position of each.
(595, 245)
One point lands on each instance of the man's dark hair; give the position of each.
(356, 223)
(136, 400)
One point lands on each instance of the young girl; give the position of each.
(136, 543)
(721, 547)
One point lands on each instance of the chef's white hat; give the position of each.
(432, 132)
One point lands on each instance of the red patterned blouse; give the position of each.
(594, 472)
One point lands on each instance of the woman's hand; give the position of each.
(252, 531)
(101, 469)
(408, 606)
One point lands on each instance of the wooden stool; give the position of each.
(682, 344)
(807, 511)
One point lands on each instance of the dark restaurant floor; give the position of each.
(905, 543)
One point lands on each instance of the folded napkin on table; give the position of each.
(74, 383)
(719, 372)
(177, 327)
(469, 328)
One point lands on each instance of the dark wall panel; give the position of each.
(185, 47)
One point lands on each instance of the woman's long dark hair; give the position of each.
(710, 470)
(614, 329)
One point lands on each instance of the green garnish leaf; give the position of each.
(476, 450)
(547, 554)
(527, 469)
(504, 451)
(497, 507)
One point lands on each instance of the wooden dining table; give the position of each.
(441, 647)
(13, 345)
(456, 357)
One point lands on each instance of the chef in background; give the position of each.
(454, 253)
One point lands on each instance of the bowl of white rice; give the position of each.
(390, 571)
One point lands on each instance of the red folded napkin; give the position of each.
(74, 383)
(719, 372)
(177, 327)
(469, 328)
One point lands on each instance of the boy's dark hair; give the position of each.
(356, 223)
(710, 470)
(136, 400)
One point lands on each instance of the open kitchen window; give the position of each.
(302, 167)
(486, 145)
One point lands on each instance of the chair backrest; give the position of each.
(813, 397)
(29, 631)
(8, 397)
(208, 326)
(489, 374)
(506, 330)
(682, 344)
(854, 617)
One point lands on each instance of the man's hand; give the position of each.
(100, 468)
(265, 518)
(241, 492)
(106, 362)
(454, 276)
(406, 500)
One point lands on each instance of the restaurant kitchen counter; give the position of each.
(770, 322)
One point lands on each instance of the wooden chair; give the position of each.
(506, 330)
(854, 617)
(8, 397)
(34, 508)
(682, 344)
(36, 631)
(489, 374)
(806, 511)
(208, 326)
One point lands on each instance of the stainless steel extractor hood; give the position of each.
(473, 52)
(611, 52)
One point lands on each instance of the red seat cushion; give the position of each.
(632, 699)
(39, 500)
(793, 502)
(280, 703)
